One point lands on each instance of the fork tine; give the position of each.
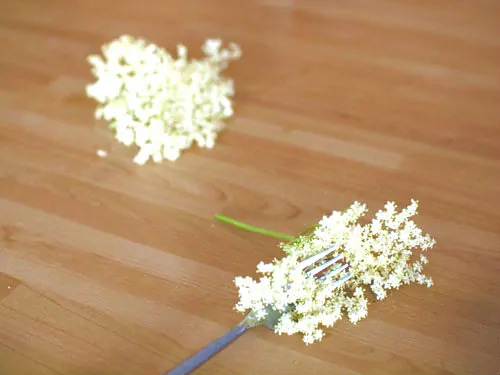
(325, 265)
(330, 273)
(311, 260)
(334, 272)
(341, 281)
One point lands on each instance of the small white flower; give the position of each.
(102, 153)
(143, 156)
(212, 47)
(157, 157)
(124, 135)
(429, 282)
(171, 154)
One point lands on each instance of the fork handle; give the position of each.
(204, 354)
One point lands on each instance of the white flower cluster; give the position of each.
(161, 104)
(381, 255)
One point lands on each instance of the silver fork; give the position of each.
(325, 269)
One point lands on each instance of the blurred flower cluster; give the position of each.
(382, 255)
(159, 103)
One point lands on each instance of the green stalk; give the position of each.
(308, 229)
(251, 228)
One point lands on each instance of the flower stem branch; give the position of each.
(308, 230)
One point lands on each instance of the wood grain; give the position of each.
(111, 268)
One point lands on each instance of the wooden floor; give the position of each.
(111, 268)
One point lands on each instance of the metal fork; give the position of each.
(322, 270)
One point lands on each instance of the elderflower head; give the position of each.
(161, 104)
(381, 256)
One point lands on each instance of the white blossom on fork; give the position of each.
(381, 257)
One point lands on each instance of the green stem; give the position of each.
(308, 229)
(251, 228)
